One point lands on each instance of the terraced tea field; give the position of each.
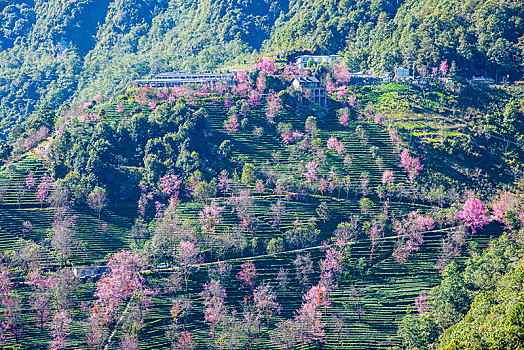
(384, 288)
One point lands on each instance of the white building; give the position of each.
(303, 60)
(401, 73)
(311, 88)
(178, 79)
(89, 271)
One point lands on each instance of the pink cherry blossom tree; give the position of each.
(410, 234)
(387, 178)
(169, 184)
(248, 275)
(184, 341)
(187, 255)
(210, 216)
(340, 148)
(39, 300)
(311, 171)
(334, 143)
(265, 301)
(444, 67)
(352, 101)
(60, 325)
(46, 184)
(422, 303)
(411, 165)
(308, 317)
(224, 182)
(274, 107)
(341, 73)
(215, 310)
(330, 268)
(343, 117)
(27, 227)
(232, 124)
(261, 83)
(259, 187)
(266, 65)
(120, 107)
(7, 301)
(122, 282)
(287, 136)
(254, 99)
(474, 214)
(30, 181)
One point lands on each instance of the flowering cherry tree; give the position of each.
(274, 107)
(254, 99)
(224, 182)
(43, 188)
(309, 316)
(343, 117)
(120, 107)
(261, 83)
(330, 267)
(259, 187)
(507, 209)
(39, 299)
(341, 73)
(421, 303)
(7, 301)
(123, 281)
(311, 171)
(215, 310)
(342, 92)
(27, 227)
(387, 178)
(444, 67)
(287, 136)
(248, 275)
(169, 184)
(30, 181)
(187, 255)
(210, 216)
(474, 214)
(266, 65)
(352, 101)
(60, 325)
(266, 303)
(332, 143)
(410, 164)
(232, 124)
(410, 231)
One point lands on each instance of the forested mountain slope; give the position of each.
(55, 50)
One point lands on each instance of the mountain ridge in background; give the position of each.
(55, 51)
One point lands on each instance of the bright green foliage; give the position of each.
(478, 308)
(249, 172)
(495, 320)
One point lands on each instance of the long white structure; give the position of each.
(318, 59)
(178, 79)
